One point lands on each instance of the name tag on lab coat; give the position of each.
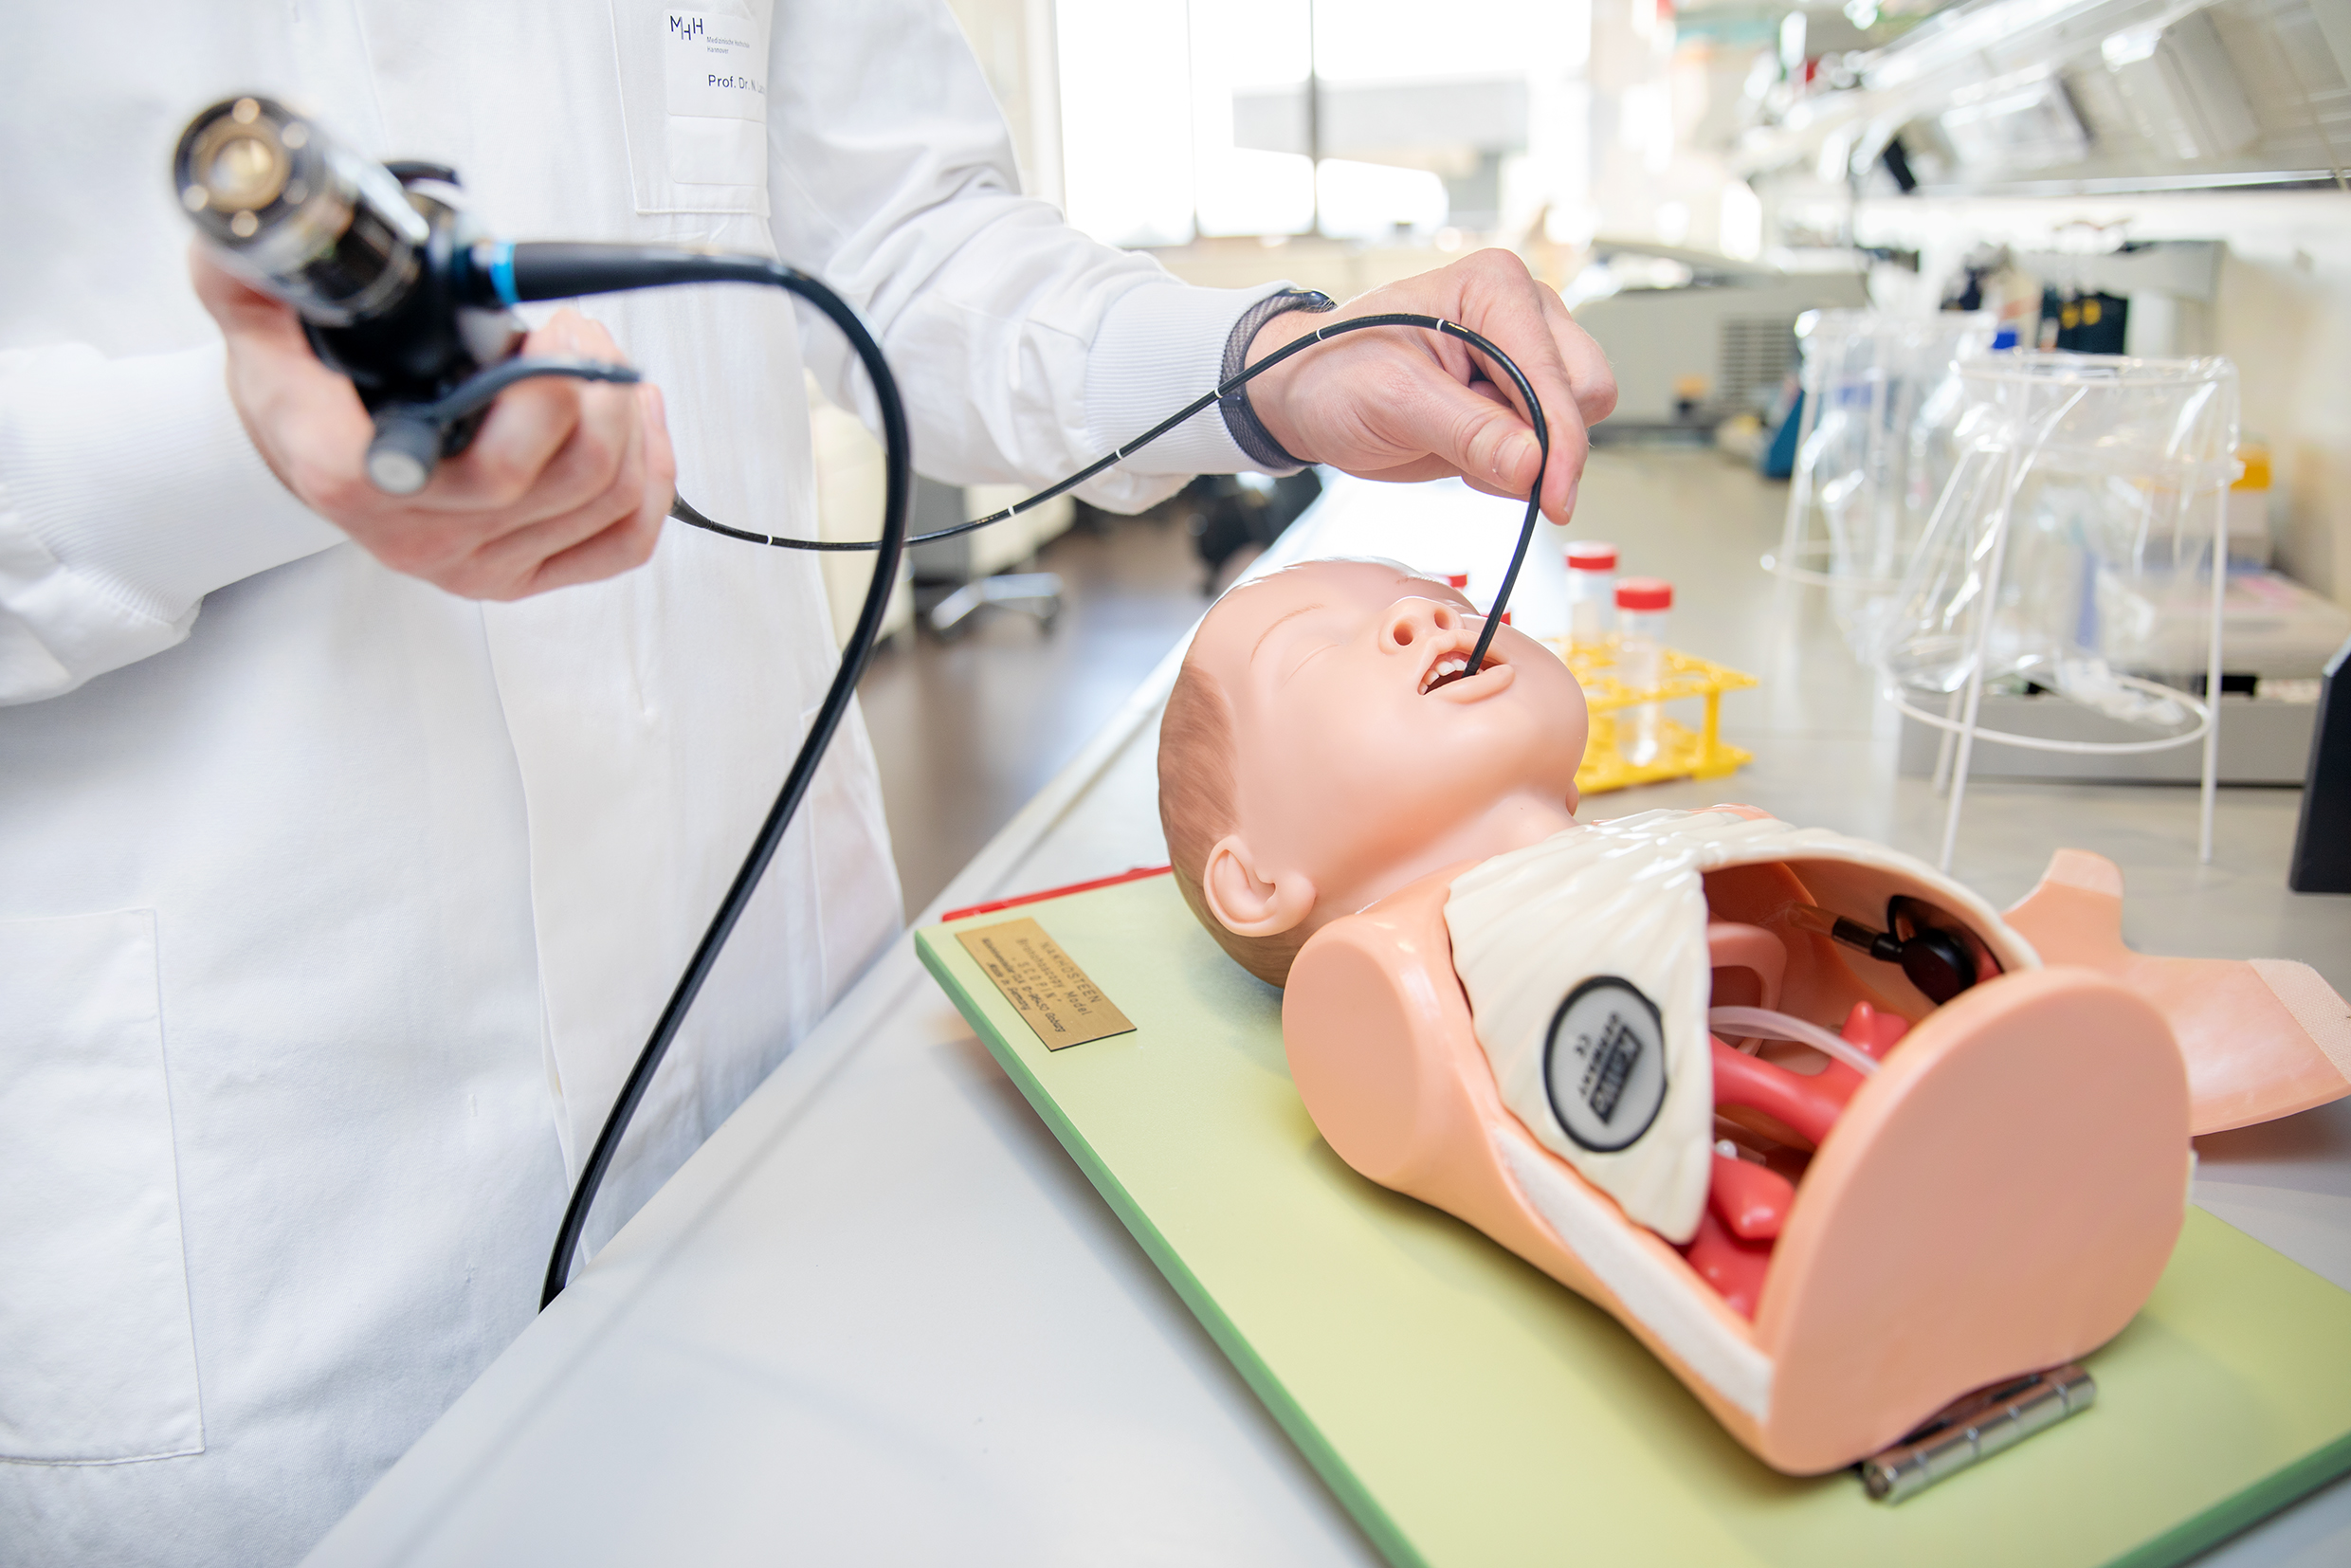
(694, 95)
(714, 75)
(716, 65)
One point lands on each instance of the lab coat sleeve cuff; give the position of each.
(129, 489)
(1161, 346)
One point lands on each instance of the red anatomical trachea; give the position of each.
(1747, 1202)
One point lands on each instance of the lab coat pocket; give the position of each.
(694, 95)
(99, 1358)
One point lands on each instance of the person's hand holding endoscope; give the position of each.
(1404, 405)
(568, 482)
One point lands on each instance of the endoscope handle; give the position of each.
(411, 438)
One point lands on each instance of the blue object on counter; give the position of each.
(1777, 460)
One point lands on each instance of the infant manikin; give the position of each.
(1831, 1212)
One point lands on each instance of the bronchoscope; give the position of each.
(399, 290)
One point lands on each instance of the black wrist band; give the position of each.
(1249, 432)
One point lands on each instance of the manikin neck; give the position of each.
(1510, 823)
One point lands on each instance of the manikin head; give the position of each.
(1318, 753)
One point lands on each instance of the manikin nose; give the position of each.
(1411, 622)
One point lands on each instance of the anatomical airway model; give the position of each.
(1815, 1122)
(1771, 1114)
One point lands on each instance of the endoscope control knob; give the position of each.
(406, 449)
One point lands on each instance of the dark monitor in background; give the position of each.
(2321, 862)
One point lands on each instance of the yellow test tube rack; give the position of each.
(1682, 752)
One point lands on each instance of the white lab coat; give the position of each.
(333, 908)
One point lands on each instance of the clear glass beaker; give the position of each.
(1881, 398)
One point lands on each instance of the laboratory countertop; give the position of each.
(880, 1317)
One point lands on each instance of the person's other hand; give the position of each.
(1402, 403)
(568, 481)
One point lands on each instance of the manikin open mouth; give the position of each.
(1451, 667)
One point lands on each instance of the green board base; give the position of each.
(1467, 1409)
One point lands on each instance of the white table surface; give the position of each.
(882, 1318)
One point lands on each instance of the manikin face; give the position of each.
(1366, 758)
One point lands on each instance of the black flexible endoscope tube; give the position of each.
(686, 514)
(562, 269)
(559, 270)
(561, 281)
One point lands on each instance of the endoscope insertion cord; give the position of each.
(898, 496)
(685, 513)
(555, 271)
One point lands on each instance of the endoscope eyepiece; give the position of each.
(240, 163)
(296, 214)
(375, 260)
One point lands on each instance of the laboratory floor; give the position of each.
(968, 730)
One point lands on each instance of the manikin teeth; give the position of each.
(1451, 667)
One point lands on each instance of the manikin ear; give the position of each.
(1245, 902)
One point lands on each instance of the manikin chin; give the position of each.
(1832, 1213)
